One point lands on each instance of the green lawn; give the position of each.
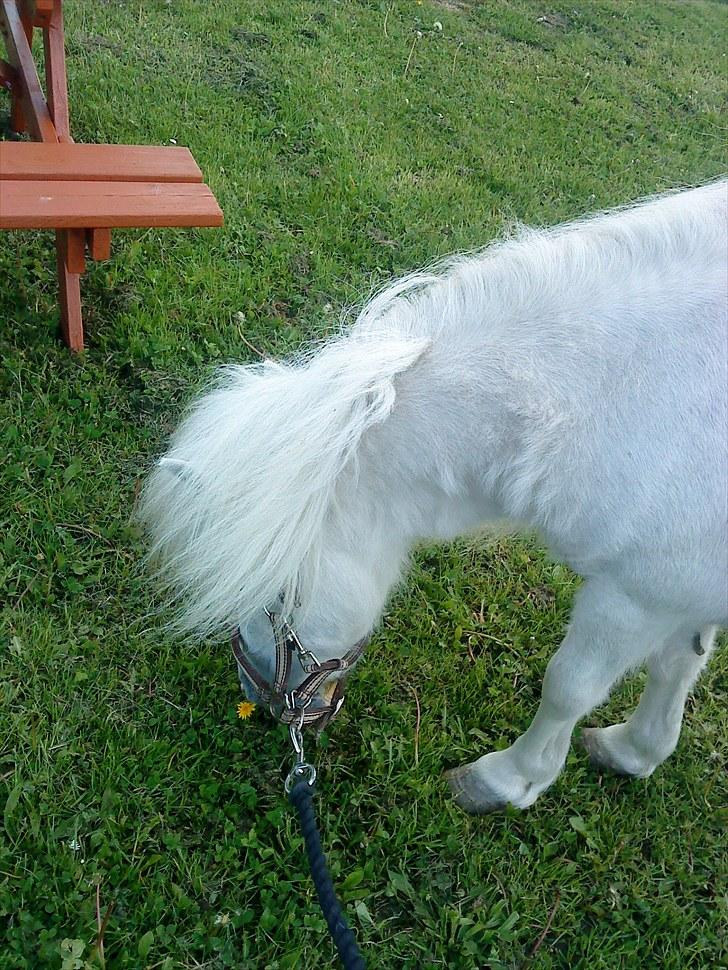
(346, 142)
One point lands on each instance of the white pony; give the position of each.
(571, 381)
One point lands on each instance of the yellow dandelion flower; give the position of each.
(245, 709)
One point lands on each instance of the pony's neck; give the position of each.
(434, 468)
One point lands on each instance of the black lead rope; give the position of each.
(301, 797)
(296, 710)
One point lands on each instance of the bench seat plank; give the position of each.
(103, 163)
(26, 204)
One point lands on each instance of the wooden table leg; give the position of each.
(70, 245)
(69, 296)
(29, 110)
(48, 122)
(55, 71)
(18, 123)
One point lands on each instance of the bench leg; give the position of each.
(98, 242)
(73, 244)
(70, 245)
(69, 296)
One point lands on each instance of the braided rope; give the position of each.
(301, 797)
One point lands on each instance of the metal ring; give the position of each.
(299, 772)
(290, 699)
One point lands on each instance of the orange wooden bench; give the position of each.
(80, 191)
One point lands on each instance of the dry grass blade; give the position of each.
(417, 724)
(101, 924)
(542, 936)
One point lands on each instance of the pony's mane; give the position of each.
(235, 508)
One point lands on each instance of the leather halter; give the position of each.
(299, 704)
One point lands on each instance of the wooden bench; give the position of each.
(80, 191)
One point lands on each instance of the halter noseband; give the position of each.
(296, 705)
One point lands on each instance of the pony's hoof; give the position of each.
(603, 750)
(472, 792)
(593, 747)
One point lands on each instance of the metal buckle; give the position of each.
(291, 701)
(310, 663)
(303, 653)
(307, 658)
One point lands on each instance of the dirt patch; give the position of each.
(452, 4)
(556, 21)
(228, 69)
(250, 37)
(97, 42)
(541, 596)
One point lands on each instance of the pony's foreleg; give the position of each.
(608, 634)
(643, 742)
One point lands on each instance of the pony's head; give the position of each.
(269, 502)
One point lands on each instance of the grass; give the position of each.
(346, 142)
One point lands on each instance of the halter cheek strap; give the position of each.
(287, 704)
